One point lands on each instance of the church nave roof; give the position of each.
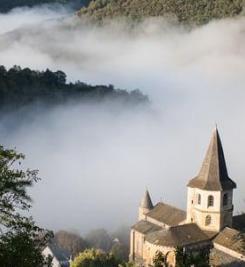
(167, 214)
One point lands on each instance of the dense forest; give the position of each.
(19, 87)
(6, 5)
(185, 11)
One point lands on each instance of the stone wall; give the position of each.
(220, 215)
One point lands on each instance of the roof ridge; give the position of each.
(185, 224)
(171, 206)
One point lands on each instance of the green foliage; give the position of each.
(185, 11)
(117, 244)
(121, 241)
(20, 87)
(21, 240)
(13, 185)
(190, 258)
(180, 257)
(120, 251)
(159, 259)
(94, 258)
(22, 245)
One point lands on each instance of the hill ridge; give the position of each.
(185, 11)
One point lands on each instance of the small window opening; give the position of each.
(210, 201)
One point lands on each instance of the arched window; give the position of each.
(210, 201)
(208, 220)
(199, 199)
(225, 199)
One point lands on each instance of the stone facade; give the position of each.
(207, 223)
(200, 212)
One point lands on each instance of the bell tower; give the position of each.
(210, 194)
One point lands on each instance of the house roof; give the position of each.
(213, 174)
(145, 227)
(231, 239)
(146, 201)
(219, 258)
(63, 256)
(181, 235)
(167, 214)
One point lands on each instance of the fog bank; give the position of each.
(96, 161)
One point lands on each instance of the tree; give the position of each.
(21, 241)
(99, 239)
(185, 11)
(159, 259)
(20, 87)
(180, 257)
(192, 258)
(71, 242)
(13, 185)
(22, 246)
(119, 251)
(94, 258)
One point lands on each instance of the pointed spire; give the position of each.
(146, 202)
(213, 174)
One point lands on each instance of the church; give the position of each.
(207, 224)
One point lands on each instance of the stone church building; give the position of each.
(208, 222)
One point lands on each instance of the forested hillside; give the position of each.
(19, 87)
(186, 11)
(6, 5)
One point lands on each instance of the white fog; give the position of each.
(96, 160)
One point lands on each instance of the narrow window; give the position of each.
(225, 199)
(210, 201)
(208, 220)
(199, 199)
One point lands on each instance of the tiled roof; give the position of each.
(219, 258)
(145, 227)
(167, 214)
(213, 174)
(181, 235)
(231, 239)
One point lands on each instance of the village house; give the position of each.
(207, 224)
(59, 256)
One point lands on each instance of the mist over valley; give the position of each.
(96, 159)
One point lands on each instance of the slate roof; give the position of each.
(60, 254)
(213, 174)
(146, 201)
(167, 214)
(219, 258)
(181, 235)
(145, 227)
(231, 239)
